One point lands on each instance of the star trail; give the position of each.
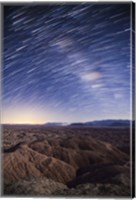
(66, 62)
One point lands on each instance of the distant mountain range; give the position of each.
(100, 123)
(104, 123)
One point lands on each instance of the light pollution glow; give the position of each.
(32, 115)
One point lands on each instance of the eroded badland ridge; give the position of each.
(65, 161)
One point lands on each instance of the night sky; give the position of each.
(66, 62)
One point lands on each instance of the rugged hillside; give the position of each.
(25, 162)
(63, 159)
(78, 151)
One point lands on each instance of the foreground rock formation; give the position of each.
(63, 161)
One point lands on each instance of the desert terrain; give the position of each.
(66, 161)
